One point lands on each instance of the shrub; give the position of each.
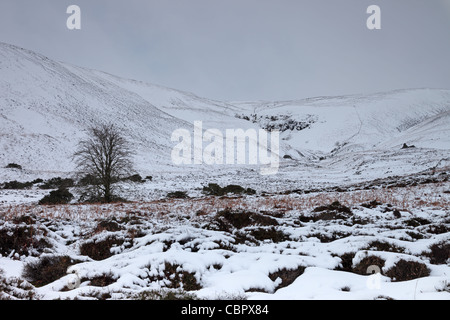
(384, 246)
(13, 166)
(416, 222)
(92, 196)
(227, 219)
(179, 278)
(407, 270)
(372, 204)
(335, 207)
(440, 253)
(57, 183)
(163, 295)
(88, 180)
(134, 178)
(107, 225)
(22, 240)
(17, 185)
(47, 269)
(346, 262)
(102, 280)
(213, 189)
(287, 276)
(438, 229)
(177, 195)
(363, 266)
(271, 233)
(100, 250)
(332, 211)
(60, 196)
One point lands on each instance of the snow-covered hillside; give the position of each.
(363, 182)
(417, 117)
(45, 106)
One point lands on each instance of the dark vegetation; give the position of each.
(57, 183)
(102, 280)
(407, 270)
(22, 237)
(100, 249)
(440, 253)
(16, 185)
(47, 269)
(287, 276)
(14, 166)
(214, 189)
(178, 278)
(228, 219)
(333, 211)
(177, 195)
(366, 265)
(105, 155)
(60, 196)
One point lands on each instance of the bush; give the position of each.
(270, 233)
(103, 280)
(416, 222)
(335, 207)
(175, 277)
(100, 250)
(163, 295)
(440, 253)
(22, 240)
(332, 211)
(60, 196)
(407, 270)
(88, 180)
(57, 183)
(13, 166)
(213, 189)
(384, 246)
(47, 269)
(363, 266)
(134, 178)
(17, 185)
(177, 195)
(287, 276)
(228, 219)
(107, 225)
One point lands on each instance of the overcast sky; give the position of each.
(245, 49)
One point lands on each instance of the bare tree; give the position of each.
(104, 156)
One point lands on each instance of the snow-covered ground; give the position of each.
(289, 240)
(253, 247)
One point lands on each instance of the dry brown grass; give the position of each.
(401, 198)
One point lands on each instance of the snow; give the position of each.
(224, 267)
(350, 151)
(323, 284)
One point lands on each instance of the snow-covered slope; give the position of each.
(45, 106)
(417, 117)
